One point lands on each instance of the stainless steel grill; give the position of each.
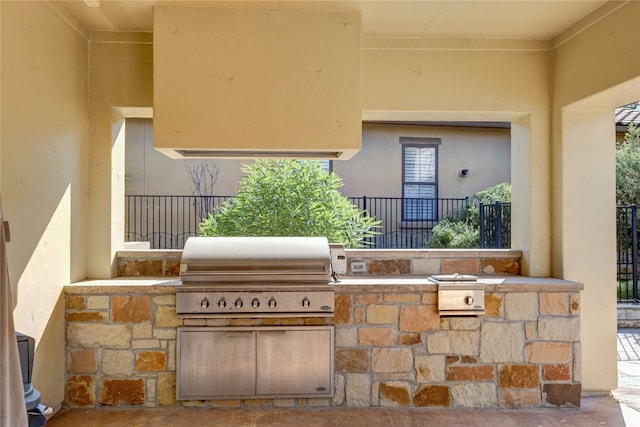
(257, 277)
(217, 260)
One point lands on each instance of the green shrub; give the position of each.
(455, 234)
(628, 168)
(462, 228)
(290, 198)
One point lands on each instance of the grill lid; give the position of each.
(253, 259)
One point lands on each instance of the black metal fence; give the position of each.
(495, 225)
(167, 221)
(627, 253)
(398, 234)
(495, 232)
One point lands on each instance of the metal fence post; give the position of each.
(482, 225)
(498, 224)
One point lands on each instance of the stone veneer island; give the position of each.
(392, 348)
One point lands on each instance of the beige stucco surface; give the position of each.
(120, 76)
(44, 169)
(62, 164)
(152, 172)
(593, 73)
(291, 76)
(375, 171)
(450, 82)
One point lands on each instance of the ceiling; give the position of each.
(425, 19)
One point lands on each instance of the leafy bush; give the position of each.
(497, 193)
(453, 233)
(462, 229)
(628, 168)
(627, 185)
(290, 198)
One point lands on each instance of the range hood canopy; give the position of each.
(243, 83)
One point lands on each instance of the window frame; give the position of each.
(431, 214)
(329, 168)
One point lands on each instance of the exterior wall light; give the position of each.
(462, 173)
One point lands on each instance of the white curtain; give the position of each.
(13, 410)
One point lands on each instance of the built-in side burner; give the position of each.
(459, 295)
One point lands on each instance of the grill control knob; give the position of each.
(306, 303)
(468, 300)
(272, 303)
(239, 303)
(204, 303)
(255, 303)
(222, 303)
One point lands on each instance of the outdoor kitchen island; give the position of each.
(392, 347)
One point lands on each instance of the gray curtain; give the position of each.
(13, 410)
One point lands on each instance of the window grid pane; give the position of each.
(419, 190)
(418, 203)
(420, 164)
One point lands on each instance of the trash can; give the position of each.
(26, 348)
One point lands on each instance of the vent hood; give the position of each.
(243, 83)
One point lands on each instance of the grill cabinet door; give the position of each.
(213, 363)
(295, 361)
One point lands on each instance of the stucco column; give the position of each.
(117, 182)
(120, 80)
(530, 176)
(588, 235)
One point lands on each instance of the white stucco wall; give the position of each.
(595, 71)
(121, 77)
(154, 173)
(476, 81)
(44, 170)
(375, 171)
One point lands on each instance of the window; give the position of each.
(419, 178)
(327, 165)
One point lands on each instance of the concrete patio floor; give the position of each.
(628, 391)
(595, 411)
(619, 410)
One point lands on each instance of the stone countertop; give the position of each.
(492, 284)
(155, 285)
(118, 285)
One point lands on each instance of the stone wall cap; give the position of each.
(433, 253)
(348, 284)
(118, 285)
(150, 253)
(368, 253)
(492, 284)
